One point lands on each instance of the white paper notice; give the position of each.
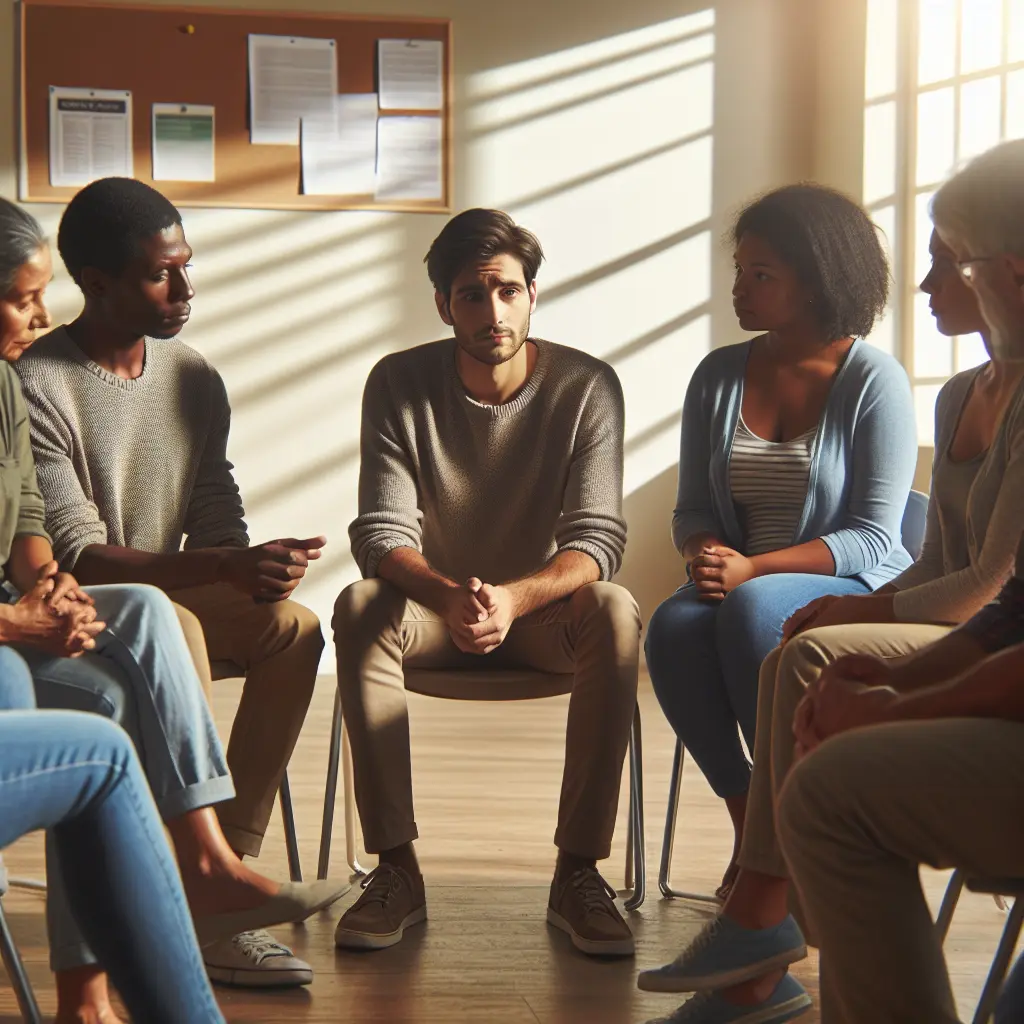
(90, 135)
(409, 158)
(411, 73)
(289, 78)
(339, 155)
(183, 142)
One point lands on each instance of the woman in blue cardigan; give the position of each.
(797, 455)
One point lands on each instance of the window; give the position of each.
(944, 81)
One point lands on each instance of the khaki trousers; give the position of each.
(594, 634)
(277, 646)
(857, 818)
(785, 675)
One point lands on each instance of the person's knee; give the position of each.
(613, 606)
(798, 804)
(744, 609)
(365, 605)
(16, 692)
(668, 634)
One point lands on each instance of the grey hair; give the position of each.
(982, 206)
(21, 237)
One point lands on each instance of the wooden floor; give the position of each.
(487, 780)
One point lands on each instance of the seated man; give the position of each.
(930, 776)
(490, 520)
(129, 433)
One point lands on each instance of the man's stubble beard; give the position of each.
(484, 353)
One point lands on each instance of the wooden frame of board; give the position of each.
(71, 43)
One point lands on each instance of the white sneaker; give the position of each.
(255, 960)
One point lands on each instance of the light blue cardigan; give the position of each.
(862, 466)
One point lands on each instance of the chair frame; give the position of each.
(668, 842)
(1007, 941)
(340, 753)
(229, 670)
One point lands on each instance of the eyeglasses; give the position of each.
(966, 267)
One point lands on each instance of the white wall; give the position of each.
(624, 134)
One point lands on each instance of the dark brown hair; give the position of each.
(834, 248)
(477, 235)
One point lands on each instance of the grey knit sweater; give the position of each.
(137, 463)
(493, 491)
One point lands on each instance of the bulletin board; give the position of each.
(199, 55)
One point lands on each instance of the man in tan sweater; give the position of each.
(490, 524)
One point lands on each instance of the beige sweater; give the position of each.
(490, 490)
(137, 463)
(974, 517)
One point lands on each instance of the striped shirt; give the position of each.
(768, 481)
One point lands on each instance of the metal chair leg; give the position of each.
(668, 842)
(950, 898)
(290, 839)
(331, 790)
(339, 752)
(349, 787)
(1000, 963)
(636, 842)
(16, 972)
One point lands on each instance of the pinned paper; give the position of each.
(411, 74)
(183, 142)
(409, 158)
(90, 135)
(290, 78)
(339, 155)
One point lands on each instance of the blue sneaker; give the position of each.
(787, 1002)
(724, 954)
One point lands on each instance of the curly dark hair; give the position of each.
(833, 246)
(476, 235)
(105, 222)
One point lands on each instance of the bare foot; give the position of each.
(88, 1015)
(83, 997)
(226, 888)
(728, 880)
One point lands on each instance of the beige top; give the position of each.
(490, 490)
(974, 516)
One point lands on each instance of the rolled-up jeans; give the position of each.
(78, 776)
(142, 676)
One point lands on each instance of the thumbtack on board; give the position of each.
(189, 30)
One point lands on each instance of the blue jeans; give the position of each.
(142, 676)
(704, 661)
(78, 776)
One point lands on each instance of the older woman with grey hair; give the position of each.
(118, 651)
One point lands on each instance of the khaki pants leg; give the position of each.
(278, 647)
(595, 633)
(785, 675)
(858, 817)
(196, 640)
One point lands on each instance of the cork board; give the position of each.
(151, 52)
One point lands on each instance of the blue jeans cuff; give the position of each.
(191, 798)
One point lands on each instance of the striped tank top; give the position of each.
(768, 480)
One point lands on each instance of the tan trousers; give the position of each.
(785, 675)
(277, 646)
(858, 817)
(594, 634)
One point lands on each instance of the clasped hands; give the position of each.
(852, 692)
(479, 615)
(718, 570)
(56, 615)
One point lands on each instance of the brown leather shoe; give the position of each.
(392, 900)
(584, 907)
